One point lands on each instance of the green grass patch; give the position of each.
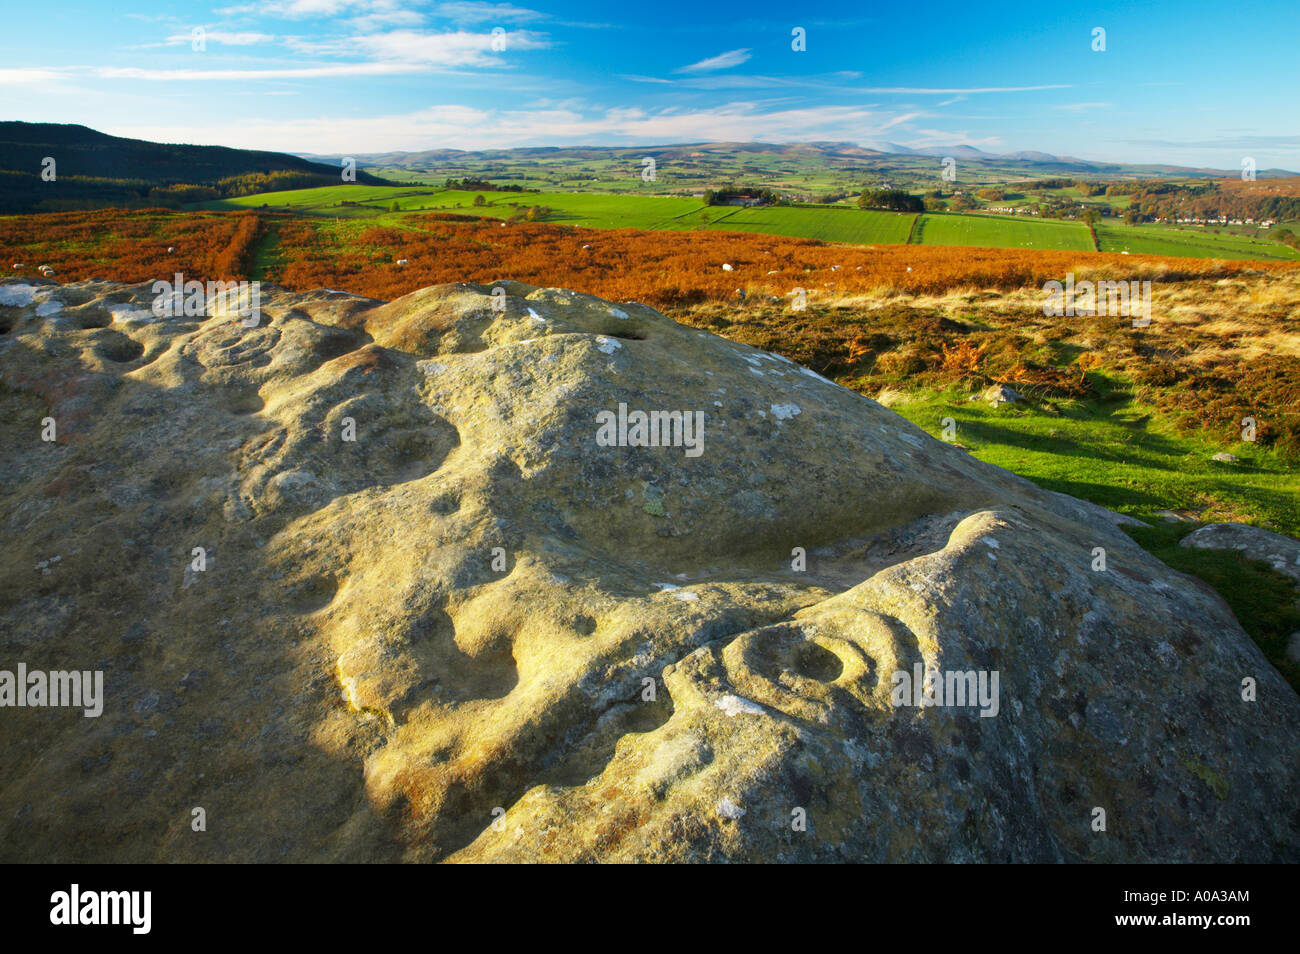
(1116, 453)
(995, 231)
(1191, 241)
(839, 224)
(851, 226)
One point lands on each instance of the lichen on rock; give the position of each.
(442, 622)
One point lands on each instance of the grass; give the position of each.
(1130, 420)
(839, 224)
(1190, 241)
(586, 209)
(1115, 452)
(997, 231)
(854, 226)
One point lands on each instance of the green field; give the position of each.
(998, 231)
(587, 209)
(603, 210)
(853, 226)
(1189, 241)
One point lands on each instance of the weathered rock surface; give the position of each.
(474, 633)
(1280, 552)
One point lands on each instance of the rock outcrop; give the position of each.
(398, 581)
(1280, 552)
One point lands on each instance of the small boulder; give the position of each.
(997, 394)
(1280, 552)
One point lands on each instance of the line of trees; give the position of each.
(470, 184)
(723, 196)
(890, 200)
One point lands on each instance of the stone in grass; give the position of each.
(997, 394)
(1280, 552)
(1223, 457)
(729, 809)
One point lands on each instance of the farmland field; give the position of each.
(1003, 232)
(1201, 242)
(392, 205)
(829, 225)
(585, 209)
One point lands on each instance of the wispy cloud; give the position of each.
(404, 48)
(372, 13)
(900, 119)
(464, 127)
(472, 11)
(826, 81)
(223, 37)
(377, 54)
(722, 61)
(1236, 142)
(632, 77)
(948, 91)
(27, 76)
(381, 21)
(302, 9)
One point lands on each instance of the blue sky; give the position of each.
(1180, 81)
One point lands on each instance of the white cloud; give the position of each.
(899, 120)
(297, 9)
(28, 76)
(472, 11)
(930, 91)
(371, 13)
(377, 21)
(403, 49)
(290, 72)
(382, 54)
(722, 61)
(463, 127)
(223, 37)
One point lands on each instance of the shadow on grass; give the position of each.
(1149, 450)
(1263, 600)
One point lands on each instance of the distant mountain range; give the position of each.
(93, 170)
(1024, 162)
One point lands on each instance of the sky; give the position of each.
(1185, 82)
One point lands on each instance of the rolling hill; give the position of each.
(92, 170)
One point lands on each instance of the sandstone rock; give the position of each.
(1280, 551)
(476, 632)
